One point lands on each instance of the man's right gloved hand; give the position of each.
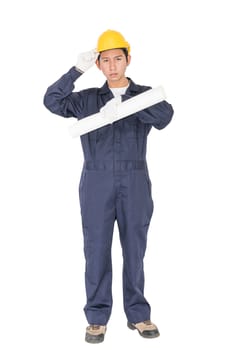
(86, 60)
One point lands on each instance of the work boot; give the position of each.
(146, 329)
(95, 334)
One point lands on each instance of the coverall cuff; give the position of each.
(75, 74)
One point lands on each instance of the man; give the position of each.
(115, 184)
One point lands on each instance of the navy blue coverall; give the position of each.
(114, 186)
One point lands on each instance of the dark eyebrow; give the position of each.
(104, 57)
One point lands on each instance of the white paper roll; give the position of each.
(126, 108)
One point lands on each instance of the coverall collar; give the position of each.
(132, 87)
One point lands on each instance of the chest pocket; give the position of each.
(129, 126)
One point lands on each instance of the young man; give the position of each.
(115, 184)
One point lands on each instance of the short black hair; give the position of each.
(125, 51)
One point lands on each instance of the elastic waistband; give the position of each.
(118, 165)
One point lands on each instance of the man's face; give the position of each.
(113, 64)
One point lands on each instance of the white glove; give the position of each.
(86, 60)
(110, 109)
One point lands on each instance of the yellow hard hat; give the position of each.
(112, 39)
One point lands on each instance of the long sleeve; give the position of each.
(60, 99)
(158, 115)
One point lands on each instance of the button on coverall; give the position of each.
(114, 186)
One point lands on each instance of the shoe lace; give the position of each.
(94, 326)
(148, 322)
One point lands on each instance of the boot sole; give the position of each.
(94, 339)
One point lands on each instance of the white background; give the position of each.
(186, 46)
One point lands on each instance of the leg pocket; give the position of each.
(82, 191)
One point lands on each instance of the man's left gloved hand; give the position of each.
(110, 109)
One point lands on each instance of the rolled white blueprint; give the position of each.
(126, 108)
